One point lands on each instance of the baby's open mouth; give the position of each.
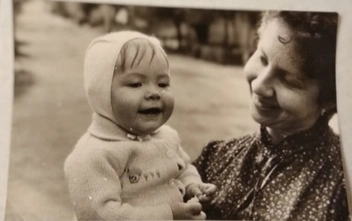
(151, 111)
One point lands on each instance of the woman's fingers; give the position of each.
(201, 216)
(194, 208)
(205, 199)
(186, 211)
(208, 189)
(196, 191)
(211, 190)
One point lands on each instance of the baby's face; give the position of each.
(141, 94)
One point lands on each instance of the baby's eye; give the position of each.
(163, 84)
(134, 85)
(263, 60)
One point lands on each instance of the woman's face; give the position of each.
(283, 98)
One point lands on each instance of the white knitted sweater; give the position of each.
(111, 176)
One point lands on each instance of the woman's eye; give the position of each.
(134, 85)
(293, 81)
(263, 60)
(163, 85)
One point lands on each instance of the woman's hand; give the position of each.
(187, 211)
(203, 191)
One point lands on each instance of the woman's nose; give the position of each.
(263, 83)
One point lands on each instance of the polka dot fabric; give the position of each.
(301, 178)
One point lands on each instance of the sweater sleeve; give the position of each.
(95, 190)
(190, 174)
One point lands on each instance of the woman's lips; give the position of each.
(265, 105)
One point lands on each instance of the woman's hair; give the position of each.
(315, 37)
(141, 47)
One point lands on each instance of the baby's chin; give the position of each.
(143, 131)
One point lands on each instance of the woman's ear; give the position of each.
(330, 106)
(328, 110)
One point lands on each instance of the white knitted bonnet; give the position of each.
(100, 60)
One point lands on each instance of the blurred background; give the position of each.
(206, 50)
(225, 37)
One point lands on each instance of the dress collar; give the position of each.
(296, 142)
(105, 129)
(138, 138)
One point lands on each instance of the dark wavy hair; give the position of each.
(315, 37)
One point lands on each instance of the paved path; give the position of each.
(48, 116)
(52, 113)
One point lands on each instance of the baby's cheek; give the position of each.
(168, 99)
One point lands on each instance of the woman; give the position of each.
(291, 169)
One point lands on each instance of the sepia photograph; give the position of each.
(156, 112)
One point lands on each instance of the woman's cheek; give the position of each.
(289, 100)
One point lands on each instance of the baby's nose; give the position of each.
(152, 94)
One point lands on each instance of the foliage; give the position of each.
(186, 30)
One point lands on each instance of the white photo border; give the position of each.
(6, 95)
(343, 64)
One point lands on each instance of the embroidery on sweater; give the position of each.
(151, 174)
(133, 174)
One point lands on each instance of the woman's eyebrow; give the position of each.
(290, 70)
(282, 70)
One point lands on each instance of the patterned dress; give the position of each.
(301, 178)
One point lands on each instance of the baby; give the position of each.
(129, 165)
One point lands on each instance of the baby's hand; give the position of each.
(203, 191)
(187, 211)
(193, 200)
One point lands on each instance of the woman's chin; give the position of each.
(263, 119)
(258, 119)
